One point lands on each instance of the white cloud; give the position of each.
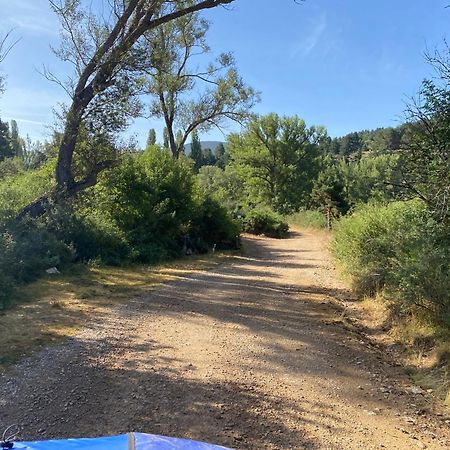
(28, 16)
(307, 44)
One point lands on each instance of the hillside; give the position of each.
(205, 144)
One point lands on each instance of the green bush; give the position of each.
(398, 250)
(265, 221)
(308, 219)
(26, 251)
(213, 225)
(148, 201)
(144, 210)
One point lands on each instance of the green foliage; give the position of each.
(196, 151)
(10, 167)
(399, 250)
(328, 193)
(425, 155)
(151, 138)
(18, 191)
(371, 179)
(221, 156)
(150, 199)
(225, 186)
(278, 159)
(221, 94)
(265, 221)
(27, 249)
(212, 225)
(6, 149)
(308, 219)
(353, 146)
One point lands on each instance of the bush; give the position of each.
(148, 200)
(26, 251)
(145, 210)
(400, 251)
(308, 219)
(264, 221)
(213, 225)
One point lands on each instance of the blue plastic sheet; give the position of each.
(132, 441)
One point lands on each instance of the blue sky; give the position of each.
(345, 64)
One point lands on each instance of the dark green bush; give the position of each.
(213, 225)
(400, 251)
(150, 198)
(27, 250)
(265, 221)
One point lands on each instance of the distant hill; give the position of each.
(205, 144)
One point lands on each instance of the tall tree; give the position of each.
(425, 155)
(196, 151)
(151, 138)
(221, 156)
(278, 158)
(6, 150)
(103, 91)
(17, 142)
(165, 138)
(173, 54)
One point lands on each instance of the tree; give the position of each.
(103, 91)
(196, 151)
(180, 142)
(425, 161)
(165, 138)
(173, 75)
(220, 156)
(6, 150)
(17, 142)
(328, 193)
(351, 146)
(278, 158)
(151, 139)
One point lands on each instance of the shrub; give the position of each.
(265, 221)
(398, 250)
(308, 219)
(26, 251)
(213, 225)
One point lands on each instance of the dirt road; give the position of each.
(250, 355)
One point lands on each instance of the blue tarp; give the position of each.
(131, 441)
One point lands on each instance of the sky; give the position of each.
(345, 64)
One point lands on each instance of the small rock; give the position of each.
(52, 271)
(416, 390)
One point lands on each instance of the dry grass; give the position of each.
(57, 306)
(427, 347)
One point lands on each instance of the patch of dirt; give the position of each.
(254, 354)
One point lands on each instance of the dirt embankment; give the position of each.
(250, 355)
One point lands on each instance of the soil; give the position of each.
(254, 354)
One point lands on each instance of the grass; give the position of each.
(55, 307)
(426, 346)
(308, 219)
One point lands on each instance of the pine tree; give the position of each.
(220, 155)
(151, 139)
(16, 141)
(165, 138)
(196, 151)
(6, 150)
